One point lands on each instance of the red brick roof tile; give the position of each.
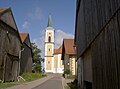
(69, 46)
(58, 51)
(23, 36)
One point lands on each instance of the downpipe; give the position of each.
(20, 77)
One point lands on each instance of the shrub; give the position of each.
(67, 71)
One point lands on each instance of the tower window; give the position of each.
(48, 62)
(49, 49)
(49, 39)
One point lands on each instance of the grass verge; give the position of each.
(27, 76)
(32, 76)
(7, 84)
(67, 87)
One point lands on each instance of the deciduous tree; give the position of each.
(36, 58)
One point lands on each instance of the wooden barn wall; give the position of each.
(91, 18)
(27, 41)
(26, 59)
(106, 56)
(87, 66)
(11, 68)
(9, 51)
(98, 27)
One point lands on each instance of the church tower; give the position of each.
(49, 47)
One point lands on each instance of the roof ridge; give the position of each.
(3, 10)
(24, 33)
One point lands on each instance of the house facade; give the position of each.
(26, 60)
(52, 62)
(10, 46)
(68, 55)
(97, 39)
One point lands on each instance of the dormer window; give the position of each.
(49, 39)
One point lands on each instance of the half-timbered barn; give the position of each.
(26, 54)
(10, 46)
(97, 39)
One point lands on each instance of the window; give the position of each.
(49, 39)
(48, 62)
(49, 49)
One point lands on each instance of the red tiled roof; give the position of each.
(69, 46)
(23, 36)
(58, 51)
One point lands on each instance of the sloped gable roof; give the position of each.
(6, 16)
(23, 36)
(58, 51)
(3, 9)
(69, 46)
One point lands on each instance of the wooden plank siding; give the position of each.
(26, 59)
(92, 17)
(10, 45)
(105, 50)
(98, 28)
(26, 54)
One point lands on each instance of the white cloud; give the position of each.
(36, 14)
(59, 36)
(25, 25)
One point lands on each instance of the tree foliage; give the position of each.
(36, 58)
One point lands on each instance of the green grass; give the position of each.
(32, 76)
(67, 87)
(8, 84)
(27, 76)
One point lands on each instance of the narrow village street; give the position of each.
(52, 81)
(59, 44)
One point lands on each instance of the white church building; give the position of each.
(53, 62)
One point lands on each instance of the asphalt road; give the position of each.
(53, 83)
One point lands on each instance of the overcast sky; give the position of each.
(31, 16)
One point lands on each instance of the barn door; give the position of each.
(8, 69)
